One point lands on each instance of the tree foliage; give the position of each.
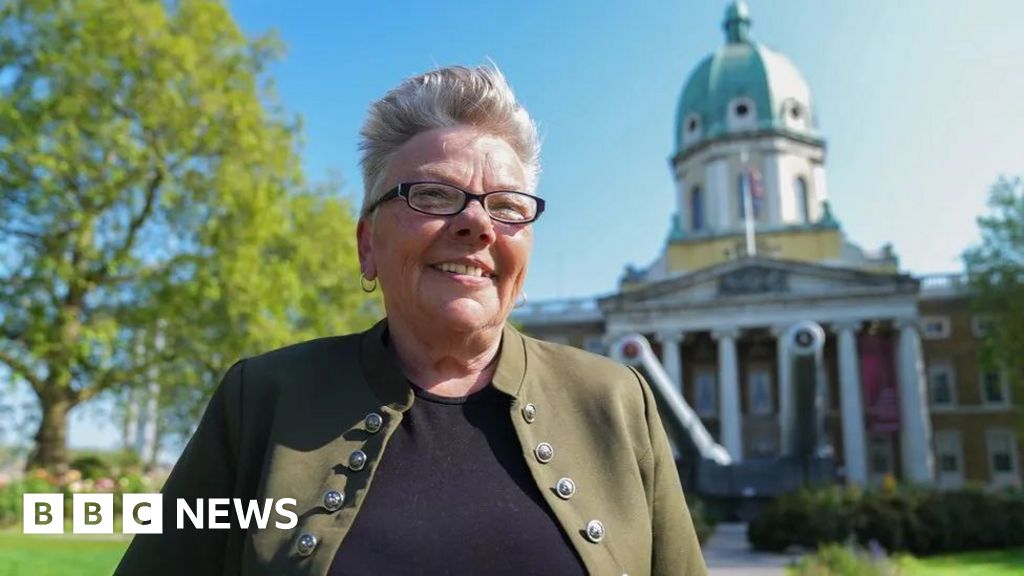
(154, 219)
(995, 268)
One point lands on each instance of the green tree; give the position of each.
(155, 224)
(995, 269)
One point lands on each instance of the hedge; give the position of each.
(918, 521)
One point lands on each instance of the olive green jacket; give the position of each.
(284, 425)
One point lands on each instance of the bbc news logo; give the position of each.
(144, 513)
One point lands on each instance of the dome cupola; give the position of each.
(743, 87)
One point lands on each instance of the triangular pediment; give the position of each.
(763, 279)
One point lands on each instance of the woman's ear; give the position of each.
(364, 241)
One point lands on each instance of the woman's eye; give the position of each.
(434, 196)
(508, 208)
(432, 193)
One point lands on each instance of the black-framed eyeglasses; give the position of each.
(440, 199)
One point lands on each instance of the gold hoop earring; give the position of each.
(363, 284)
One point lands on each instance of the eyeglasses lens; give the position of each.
(442, 200)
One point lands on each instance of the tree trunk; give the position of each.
(51, 450)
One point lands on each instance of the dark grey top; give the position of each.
(453, 495)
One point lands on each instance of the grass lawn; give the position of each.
(988, 563)
(59, 554)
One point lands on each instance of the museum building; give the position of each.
(752, 250)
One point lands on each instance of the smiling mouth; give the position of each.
(463, 270)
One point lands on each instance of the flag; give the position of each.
(756, 188)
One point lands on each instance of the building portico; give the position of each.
(720, 333)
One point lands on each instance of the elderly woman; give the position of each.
(441, 441)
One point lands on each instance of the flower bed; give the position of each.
(72, 482)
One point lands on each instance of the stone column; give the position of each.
(787, 412)
(852, 404)
(729, 393)
(670, 357)
(915, 427)
(717, 193)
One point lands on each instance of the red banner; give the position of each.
(878, 376)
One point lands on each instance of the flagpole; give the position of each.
(748, 204)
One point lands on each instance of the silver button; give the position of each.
(595, 531)
(565, 488)
(529, 413)
(544, 452)
(357, 460)
(306, 544)
(333, 500)
(373, 422)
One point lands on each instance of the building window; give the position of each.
(981, 326)
(949, 458)
(692, 123)
(741, 195)
(935, 327)
(697, 209)
(705, 393)
(1001, 445)
(941, 385)
(759, 391)
(995, 390)
(691, 128)
(794, 114)
(803, 200)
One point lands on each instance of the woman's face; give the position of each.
(406, 250)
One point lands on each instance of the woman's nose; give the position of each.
(474, 223)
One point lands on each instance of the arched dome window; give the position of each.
(697, 209)
(692, 128)
(795, 114)
(803, 200)
(741, 114)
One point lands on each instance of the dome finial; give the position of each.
(737, 22)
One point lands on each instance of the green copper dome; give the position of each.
(743, 87)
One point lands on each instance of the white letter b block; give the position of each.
(43, 513)
(92, 514)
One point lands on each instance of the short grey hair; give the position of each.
(446, 97)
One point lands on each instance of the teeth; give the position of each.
(460, 269)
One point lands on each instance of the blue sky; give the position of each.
(921, 105)
(921, 108)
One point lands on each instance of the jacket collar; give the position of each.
(383, 374)
(511, 371)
